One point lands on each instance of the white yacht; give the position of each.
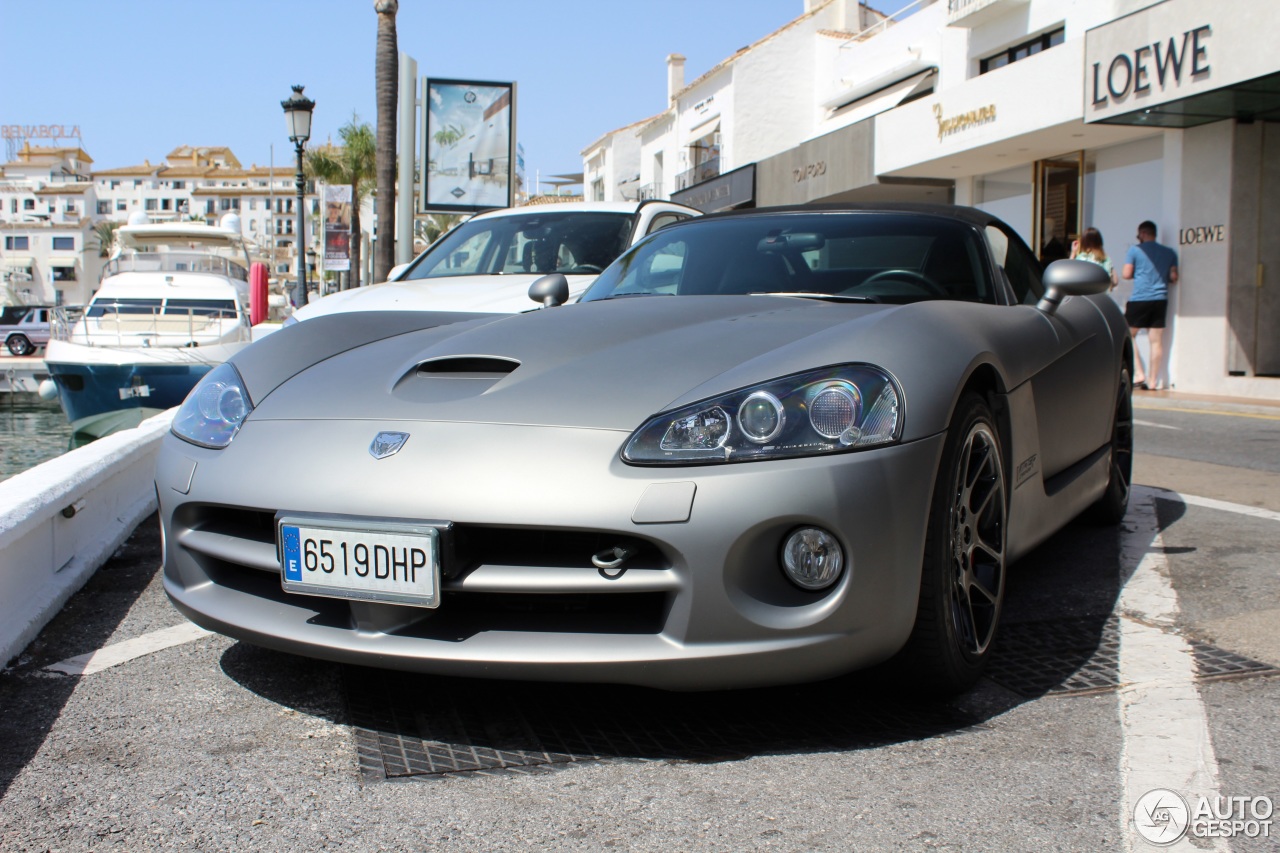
(173, 304)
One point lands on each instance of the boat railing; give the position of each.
(185, 262)
(173, 328)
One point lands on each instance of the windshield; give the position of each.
(873, 257)
(537, 242)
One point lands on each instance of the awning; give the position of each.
(705, 129)
(17, 262)
(892, 89)
(62, 262)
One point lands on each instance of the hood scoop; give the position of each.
(452, 378)
(467, 367)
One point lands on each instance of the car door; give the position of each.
(1071, 372)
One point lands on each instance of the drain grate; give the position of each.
(1057, 656)
(409, 726)
(1218, 664)
(1072, 656)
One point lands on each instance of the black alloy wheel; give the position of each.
(977, 540)
(963, 575)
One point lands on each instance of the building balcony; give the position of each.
(972, 13)
(649, 192)
(704, 171)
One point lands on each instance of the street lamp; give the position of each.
(311, 265)
(297, 114)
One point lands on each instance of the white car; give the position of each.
(486, 264)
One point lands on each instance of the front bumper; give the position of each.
(705, 605)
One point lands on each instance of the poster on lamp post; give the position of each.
(468, 146)
(337, 227)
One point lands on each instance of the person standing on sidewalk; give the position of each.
(1153, 268)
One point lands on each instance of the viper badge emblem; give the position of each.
(387, 444)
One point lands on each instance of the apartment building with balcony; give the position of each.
(702, 149)
(51, 199)
(46, 196)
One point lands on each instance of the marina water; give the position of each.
(31, 431)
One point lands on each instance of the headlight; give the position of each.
(213, 411)
(848, 407)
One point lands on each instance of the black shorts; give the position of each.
(1146, 314)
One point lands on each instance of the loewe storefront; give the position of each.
(1211, 71)
(1166, 114)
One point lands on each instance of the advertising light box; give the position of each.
(469, 142)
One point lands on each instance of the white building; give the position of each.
(50, 201)
(45, 198)
(1056, 115)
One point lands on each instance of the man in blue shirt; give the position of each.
(1153, 269)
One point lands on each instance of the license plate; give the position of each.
(363, 560)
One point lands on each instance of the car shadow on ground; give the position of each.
(1058, 636)
(32, 699)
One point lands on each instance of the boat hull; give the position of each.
(103, 390)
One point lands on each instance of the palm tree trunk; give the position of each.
(387, 73)
(357, 239)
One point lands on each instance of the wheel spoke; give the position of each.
(987, 583)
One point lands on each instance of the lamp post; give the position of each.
(311, 265)
(297, 114)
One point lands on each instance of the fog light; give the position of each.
(812, 558)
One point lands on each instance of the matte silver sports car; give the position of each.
(765, 447)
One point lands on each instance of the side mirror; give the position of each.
(550, 290)
(1071, 278)
(396, 272)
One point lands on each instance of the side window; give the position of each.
(659, 272)
(1020, 267)
(663, 220)
(464, 260)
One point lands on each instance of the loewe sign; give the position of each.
(1160, 64)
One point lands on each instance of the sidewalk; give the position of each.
(1207, 402)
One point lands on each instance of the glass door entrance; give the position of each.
(1059, 186)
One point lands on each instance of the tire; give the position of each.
(20, 345)
(1110, 509)
(962, 579)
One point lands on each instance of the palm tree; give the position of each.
(429, 228)
(387, 76)
(105, 233)
(352, 163)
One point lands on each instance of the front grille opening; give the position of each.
(464, 614)
(499, 546)
(249, 524)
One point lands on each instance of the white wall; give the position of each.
(1007, 195)
(1124, 185)
(60, 521)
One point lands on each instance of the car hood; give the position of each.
(598, 365)
(501, 294)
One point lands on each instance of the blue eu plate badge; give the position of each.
(292, 553)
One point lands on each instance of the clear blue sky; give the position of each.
(141, 77)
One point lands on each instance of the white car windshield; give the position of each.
(537, 242)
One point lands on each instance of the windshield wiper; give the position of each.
(826, 297)
(637, 293)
